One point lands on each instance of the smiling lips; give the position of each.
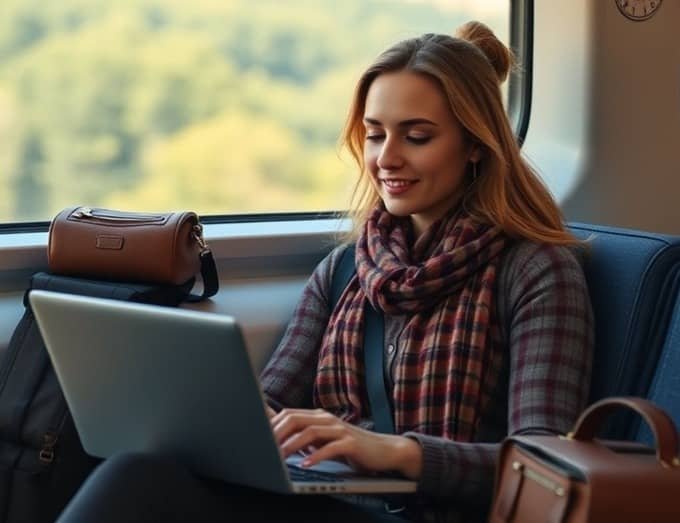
(397, 186)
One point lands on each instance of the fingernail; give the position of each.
(306, 462)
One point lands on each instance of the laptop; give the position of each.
(178, 382)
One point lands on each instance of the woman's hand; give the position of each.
(324, 436)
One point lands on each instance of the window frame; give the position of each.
(521, 84)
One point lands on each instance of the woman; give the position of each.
(488, 326)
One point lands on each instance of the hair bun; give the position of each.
(497, 52)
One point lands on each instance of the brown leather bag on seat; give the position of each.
(576, 478)
(158, 248)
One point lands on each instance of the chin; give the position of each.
(401, 211)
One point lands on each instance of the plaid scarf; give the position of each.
(451, 354)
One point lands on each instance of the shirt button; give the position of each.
(390, 348)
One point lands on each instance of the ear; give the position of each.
(475, 154)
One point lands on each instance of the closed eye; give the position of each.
(375, 137)
(418, 140)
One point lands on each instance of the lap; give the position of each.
(139, 487)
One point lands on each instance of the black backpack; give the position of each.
(42, 462)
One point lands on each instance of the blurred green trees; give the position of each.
(221, 106)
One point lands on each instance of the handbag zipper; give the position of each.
(87, 213)
(539, 478)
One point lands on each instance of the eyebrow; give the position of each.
(404, 123)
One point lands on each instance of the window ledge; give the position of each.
(228, 241)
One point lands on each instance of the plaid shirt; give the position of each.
(546, 323)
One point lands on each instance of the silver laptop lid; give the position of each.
(156, 379)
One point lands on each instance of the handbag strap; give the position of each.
(211, 283)
(374, 341)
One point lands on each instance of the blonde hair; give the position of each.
(469, 69)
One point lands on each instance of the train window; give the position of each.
(224, 107)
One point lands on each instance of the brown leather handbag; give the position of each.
(576, 478)
(160, 248)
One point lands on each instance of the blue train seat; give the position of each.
(632, 278)
(665, 387)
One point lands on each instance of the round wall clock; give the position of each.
(638, 10)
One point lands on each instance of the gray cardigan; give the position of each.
(547, 325)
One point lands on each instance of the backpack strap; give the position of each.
(342, 275)
(374, 339)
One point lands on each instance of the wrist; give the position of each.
(409, 457)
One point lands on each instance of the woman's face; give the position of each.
(415, 149)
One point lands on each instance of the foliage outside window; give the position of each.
(220, 106)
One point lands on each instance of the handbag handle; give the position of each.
(662, 425)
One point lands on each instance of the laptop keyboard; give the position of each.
(302, 474)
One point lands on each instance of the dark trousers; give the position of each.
(134, 488)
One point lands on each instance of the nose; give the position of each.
(390, 157)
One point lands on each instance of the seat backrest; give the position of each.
(665, 387)
(632, 279)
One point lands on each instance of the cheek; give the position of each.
(445, 159)
(371, 166)
(371, 159)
